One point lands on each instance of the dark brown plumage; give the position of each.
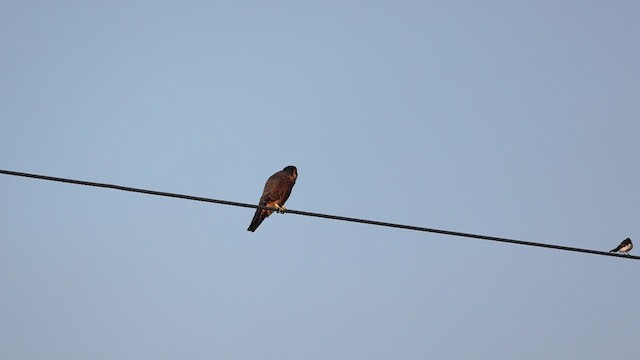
(275, 194)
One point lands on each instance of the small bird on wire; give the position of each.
(275, 194)
(625, 246)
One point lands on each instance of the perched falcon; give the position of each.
(624, 246)
(275, 194)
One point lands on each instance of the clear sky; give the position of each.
(506, 118)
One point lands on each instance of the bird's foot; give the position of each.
(281, 209)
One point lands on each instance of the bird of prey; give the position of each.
(275, 194)
(624, 246)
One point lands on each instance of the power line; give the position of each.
(325, 216)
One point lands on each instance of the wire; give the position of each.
(325, 216)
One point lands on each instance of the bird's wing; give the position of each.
(274, 191)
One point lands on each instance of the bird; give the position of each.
(275, 194)
(625, 246)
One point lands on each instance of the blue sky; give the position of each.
(502, 118)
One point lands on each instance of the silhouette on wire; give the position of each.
(625, 246)
(318, 215)
(275, 194)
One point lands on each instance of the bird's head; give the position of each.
(292, 171)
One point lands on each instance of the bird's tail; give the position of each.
(614, 250)
(258, 218)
